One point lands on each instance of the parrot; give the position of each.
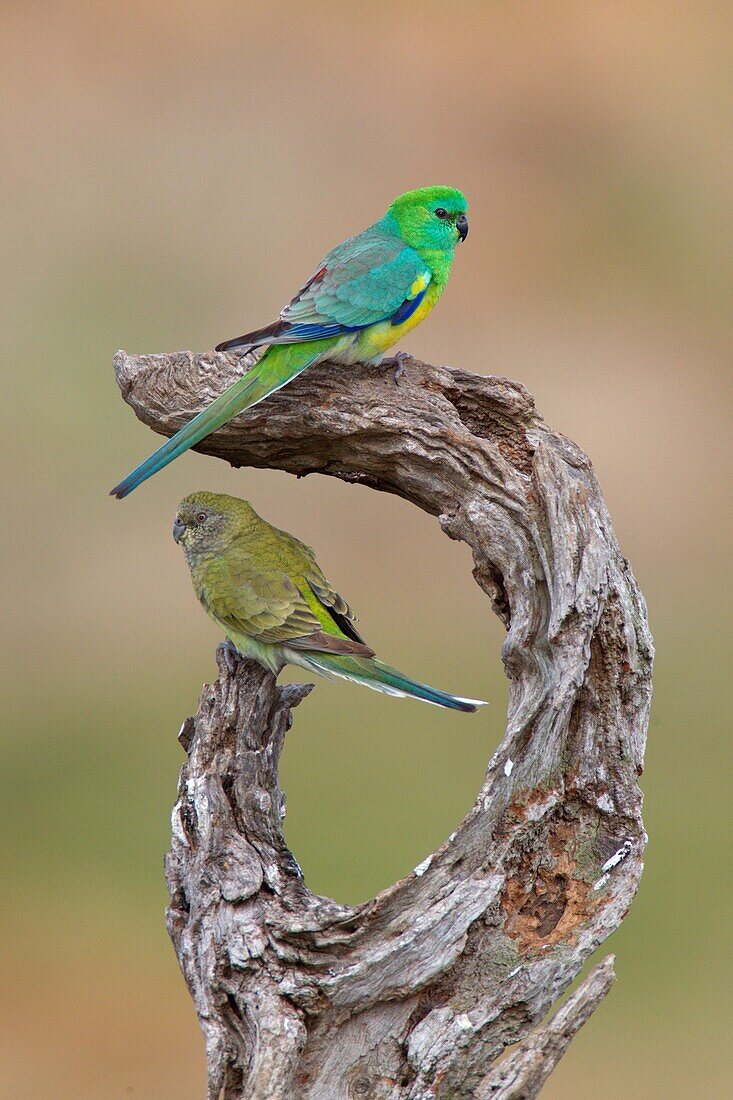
(268, 593)
(364, 296)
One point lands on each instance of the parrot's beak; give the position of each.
(178, 529)
(462, 226)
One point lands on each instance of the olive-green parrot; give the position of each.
(267, 592)
(363, 297)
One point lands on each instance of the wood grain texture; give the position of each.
(417, 993)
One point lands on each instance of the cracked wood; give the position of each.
(417, 993)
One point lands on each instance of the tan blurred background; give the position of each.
(171, 172)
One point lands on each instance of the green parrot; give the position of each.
(363, 297)
(267, 592)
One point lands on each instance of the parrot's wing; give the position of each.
(271, 609)
(361, 282)
(370, 278)
(335, 605)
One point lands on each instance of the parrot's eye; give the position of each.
(201, 517)
(441, 213)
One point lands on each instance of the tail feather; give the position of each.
(273, 371)
(380, 677)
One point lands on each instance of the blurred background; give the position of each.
(171, 173)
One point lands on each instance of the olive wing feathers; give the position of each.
(272, 609)
(335, 605)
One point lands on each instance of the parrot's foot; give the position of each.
(231, 655)
(396, 363)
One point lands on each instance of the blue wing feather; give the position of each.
(408, 307)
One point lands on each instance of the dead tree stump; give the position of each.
(417, 993)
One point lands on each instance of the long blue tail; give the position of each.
(275, 369)
(380, 677)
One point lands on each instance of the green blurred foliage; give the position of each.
(171, 173)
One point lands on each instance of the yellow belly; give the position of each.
(372, 342)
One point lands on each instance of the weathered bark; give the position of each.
(523, 1072)
(416, 993)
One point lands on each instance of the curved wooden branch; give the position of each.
(416, 993)
(523, 1072)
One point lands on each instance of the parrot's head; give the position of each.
(206, 523)
(431, 218)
